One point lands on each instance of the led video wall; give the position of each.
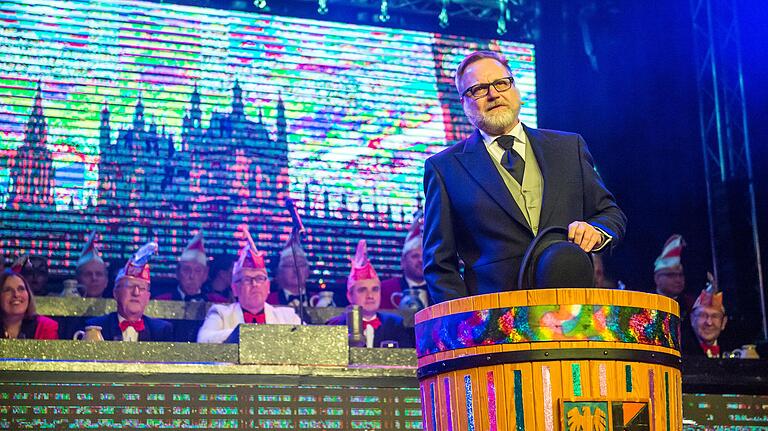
(151, 121)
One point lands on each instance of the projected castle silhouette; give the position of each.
(149, 187)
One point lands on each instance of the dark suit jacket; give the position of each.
(154, 329)
(391, 329)
(470, 213)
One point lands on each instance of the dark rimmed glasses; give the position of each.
(481, 90)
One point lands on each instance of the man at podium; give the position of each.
(489, 195)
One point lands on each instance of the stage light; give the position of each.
(501, 27)
(322, 7)
(443, 17)
(261, 4)
(384, 15)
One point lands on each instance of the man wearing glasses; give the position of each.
(132, 293)
(250, 284)
(489, 195)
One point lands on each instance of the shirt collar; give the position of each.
(518, 132)
(412, 283)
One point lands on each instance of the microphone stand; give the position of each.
(300, 283)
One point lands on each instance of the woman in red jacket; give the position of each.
(18, 318)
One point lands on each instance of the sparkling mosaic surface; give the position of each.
(147, 120)
(548, 323)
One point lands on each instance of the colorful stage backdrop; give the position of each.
(153, 121)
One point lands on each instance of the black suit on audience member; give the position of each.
(154, 329)
(391, 329)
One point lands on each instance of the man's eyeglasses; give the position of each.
(259, 279)
(704, 316)
(481, 90)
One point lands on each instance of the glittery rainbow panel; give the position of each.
(548, 323)
(152, 120)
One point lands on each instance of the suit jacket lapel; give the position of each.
(146, 334)
(546, 155)
(114, 325)
(478, 163)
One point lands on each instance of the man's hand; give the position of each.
(584, 235)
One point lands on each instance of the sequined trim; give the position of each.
(491, 401)
(538, 323)
(447, 389)
(576, 378)
(603, 377)
(549, 422)
(468, 396)
(519, 409)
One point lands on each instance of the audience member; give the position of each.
(35, 271)
(221, 276)
(192, 273)
(668, 274)
(708, 320)
(250, 284)
(131, 292)
(91, 270)
(364, 289)
(411, 264)
(18, 316)
(292, 275)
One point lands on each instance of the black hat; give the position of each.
(551, 261)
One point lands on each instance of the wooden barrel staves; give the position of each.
(551, 360)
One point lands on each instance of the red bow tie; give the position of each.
(259, 317)
(375, 322)
(137, 325)
(711, 351)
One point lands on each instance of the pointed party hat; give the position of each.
(137, 267)
(414, 239)
(292, 250)
(90, 251)
(361, 266)
(249, 256)
(195, 251)
(670, 256)
(710, 297)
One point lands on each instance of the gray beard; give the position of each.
(492, 124)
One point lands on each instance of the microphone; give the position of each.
(298, 226)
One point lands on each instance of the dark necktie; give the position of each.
(511, 160)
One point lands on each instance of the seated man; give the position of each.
(192, 273)
(35, 271)
(131, 293)
(668, 274)
(364, 289)
(91, 271)
(292, 275)
(250, 284)
(412, 265)
(708, 320)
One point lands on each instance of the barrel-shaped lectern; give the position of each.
(551, 360)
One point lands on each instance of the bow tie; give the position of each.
(137, 325)
(194, 298)
(711, 351)
(258, 318)
(375, 322)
